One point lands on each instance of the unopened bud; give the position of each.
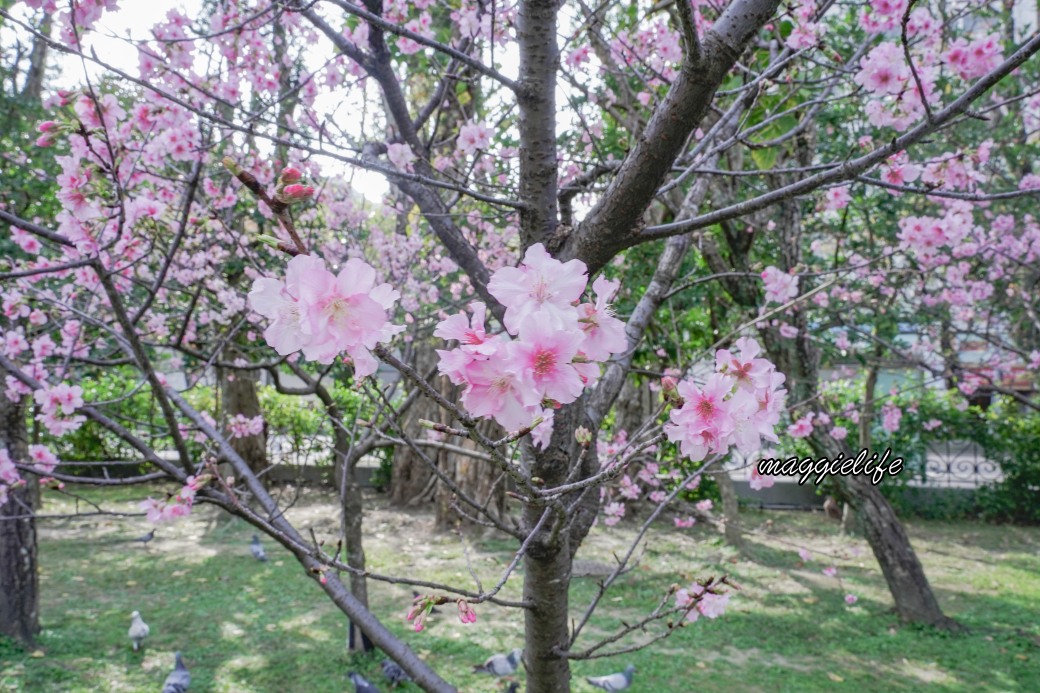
(295, 193)
(290, 175)
(670, 391)
(230, 165)
(272, 241)
(583, 435)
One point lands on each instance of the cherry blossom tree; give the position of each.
(532, 147)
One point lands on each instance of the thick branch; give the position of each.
(613, 224)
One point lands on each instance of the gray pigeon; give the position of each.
(361, 684)
(613, 682)
(138, 630)
(500, 664)
(394, 673)
(257, 549)
(179, 679)
(145, 538)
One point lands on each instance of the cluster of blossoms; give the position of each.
(698, 601)
(556, 351)
(58, 405)
(324, 314)
(9, 476)
(806, 33)
(240, 426)
(780, 286)
(885, 72)
(740, 404)
(178, 505)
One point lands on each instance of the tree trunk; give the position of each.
(33, 87)
(799, 360)
(352, 513)
(914, 600)
(634, 406)
(730, 510)
(239, 396)
(411, 478)
(413, 481)
(547, 581)
(352, 510)
(19, 581)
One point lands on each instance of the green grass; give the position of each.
(249, 627)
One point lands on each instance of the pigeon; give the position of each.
(500, 664)
(179, 679)
(145, 538)
(258, 551)
(138, 630)
(613, 682)
(433, 609)
(830, 506)
(394, 673)
(361, 684)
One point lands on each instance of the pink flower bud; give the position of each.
(466, 612)
(44, 141)
(47, 126)
(291, 175)
(298, 192)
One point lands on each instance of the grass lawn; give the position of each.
(249, 627)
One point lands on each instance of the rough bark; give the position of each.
(634, 405)
(730, 510)
(414, 483)
(548, 563)
(19, 580)
(32, 90)
(239, 396)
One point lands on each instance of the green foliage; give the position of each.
(1007, 434)
(1014, 443)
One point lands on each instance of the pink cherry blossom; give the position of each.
(890, 417)
(542, 289)
(851, 599)
(802, 428)
(241, 426)
(604, 333)
(400, 155)
(474, 137)
(613, 513)
(758, 481)
(543, 358)
(830, 571)
(780, 286)
(43, 459)
(8, 471)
